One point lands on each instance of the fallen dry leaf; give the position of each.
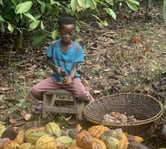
(3, 89)
(12, 121)
(96, 91)
(2, 97)
(23, 113)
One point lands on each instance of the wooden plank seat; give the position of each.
(62, 101)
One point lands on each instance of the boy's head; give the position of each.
(66, 21)
(67, 29)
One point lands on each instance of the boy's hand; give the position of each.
(60, 72)
(67, 80)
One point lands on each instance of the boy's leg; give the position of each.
(43, 86)
(79, 91)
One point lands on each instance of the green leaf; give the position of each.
(82, 3)
(110, 12)
(164, 10)
(34, 25)
(52, 2)
(23, 7)
(1, 2)
(37, 16)
(30, 16)
(2, 27)
(42, 25)
(43, 7)
(14, 2)
(94, 3)
(132, 4)
(56, 3)
(20, 30)
(96, 17)
(88, 4)
(104, 23)
(73, 5)
(77, 29)
(40, 2)
(10, 27)
(54, 34)
(39, 39)
(1, 19)
(111, 2)
(91, 4)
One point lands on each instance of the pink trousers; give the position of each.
(76, 88)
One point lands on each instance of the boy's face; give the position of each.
(67, 32)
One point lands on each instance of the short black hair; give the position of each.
(66, 20)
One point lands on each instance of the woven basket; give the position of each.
(146, 109)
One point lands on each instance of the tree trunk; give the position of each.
(18, 42)
(149, 5)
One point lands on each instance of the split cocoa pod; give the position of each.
(86, 141)
(67, 80)
(98, 130)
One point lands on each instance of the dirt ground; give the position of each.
(128, 56)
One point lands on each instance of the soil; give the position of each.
(128, 56)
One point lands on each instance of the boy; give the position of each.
(63, 57)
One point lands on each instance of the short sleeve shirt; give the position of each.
(65, 60)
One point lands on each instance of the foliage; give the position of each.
(30, 15)
(107, 5)
(41, 16)
(15, 15)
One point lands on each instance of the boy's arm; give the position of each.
(73, 71)
(51, 65)
(55, 68)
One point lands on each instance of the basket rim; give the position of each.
(140, 122)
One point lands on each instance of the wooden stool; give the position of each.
(62, 101)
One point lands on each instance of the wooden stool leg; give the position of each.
(80, 106)
(44, 114)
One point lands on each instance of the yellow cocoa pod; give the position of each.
(132, 138)
(53, 129)
(98, 144)
(27, 146)
(32, 135)
(11, 145)
(46, 142)
(20, 137)
(60, 145)
(123, 141)
(112, 143)
(66, 140)
(2, 129)
(138, 139)
(75, 147)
